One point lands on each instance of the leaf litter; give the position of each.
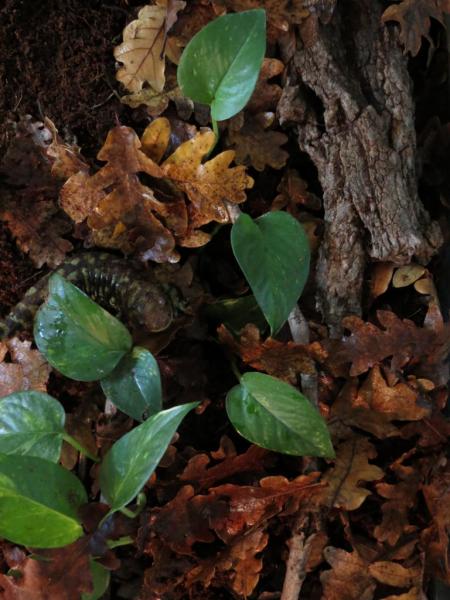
(219, 522)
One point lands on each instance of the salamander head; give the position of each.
(152, 309)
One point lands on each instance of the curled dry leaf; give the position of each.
(142, 50)
(352, 467)
(348, 577)
(380, 279)
(414, 17)
(255, 145)
(66, 159)
(407, 275)
(27, 370)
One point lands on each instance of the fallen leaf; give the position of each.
(348, 577)
(208, 186)
(238, 563)
(28, 370)
(294, 196)
(351, 468)
(256, 146)
(142, 49)
(346, 413)
(398, 402)
(406, 275)
(66, 159)
(400, 339)
(266, 95)
(394, 574)
(414, 17)
(285, 360)
(381, 276)
(63, 573)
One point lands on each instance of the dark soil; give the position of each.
(56, 60)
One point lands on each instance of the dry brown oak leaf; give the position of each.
(285, 360)
(351, 469)
(401, 339)
(142, 50)
(348, 577)
(238, 563)
(62, 574)
(124, 213)
(266, 95)
(414, 17)
(27, 370)
(255, 145)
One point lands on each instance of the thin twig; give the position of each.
(299, 547)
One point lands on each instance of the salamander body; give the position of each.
(108, 280)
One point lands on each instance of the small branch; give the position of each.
(299, 551)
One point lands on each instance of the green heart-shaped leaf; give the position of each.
(134, 457)
(135, 385)
(221, 63)
(39, 502)
(274, 415)
(273, 253)
(32, 424)
(78, 337)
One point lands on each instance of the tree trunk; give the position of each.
(349, 98)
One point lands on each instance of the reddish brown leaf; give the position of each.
(285, 360)
(402, 340)
(402, 402)
(62, 574)
(414, 17)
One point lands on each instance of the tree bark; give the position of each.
(349, 98)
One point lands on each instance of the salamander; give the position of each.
(111, 282)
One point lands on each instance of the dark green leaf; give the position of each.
(274, 415)
(273, 253)
(76, 336)
(134, 457)
(100, 580)
(39, 502)
(235, 313)
(135, 385)
(32, 424)
(221, 63)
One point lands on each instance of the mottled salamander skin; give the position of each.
(108, 280)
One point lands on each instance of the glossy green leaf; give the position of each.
(221, 63)
(78, 337)
(273, 253)
(32, 424)
(274, 415)
(39, 502)
(100, 580)
(135, 385)
(133, 458)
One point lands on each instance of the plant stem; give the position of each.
(235, 369)
(123, 541)
(129, 513)
(216, 132)
(73, 442)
